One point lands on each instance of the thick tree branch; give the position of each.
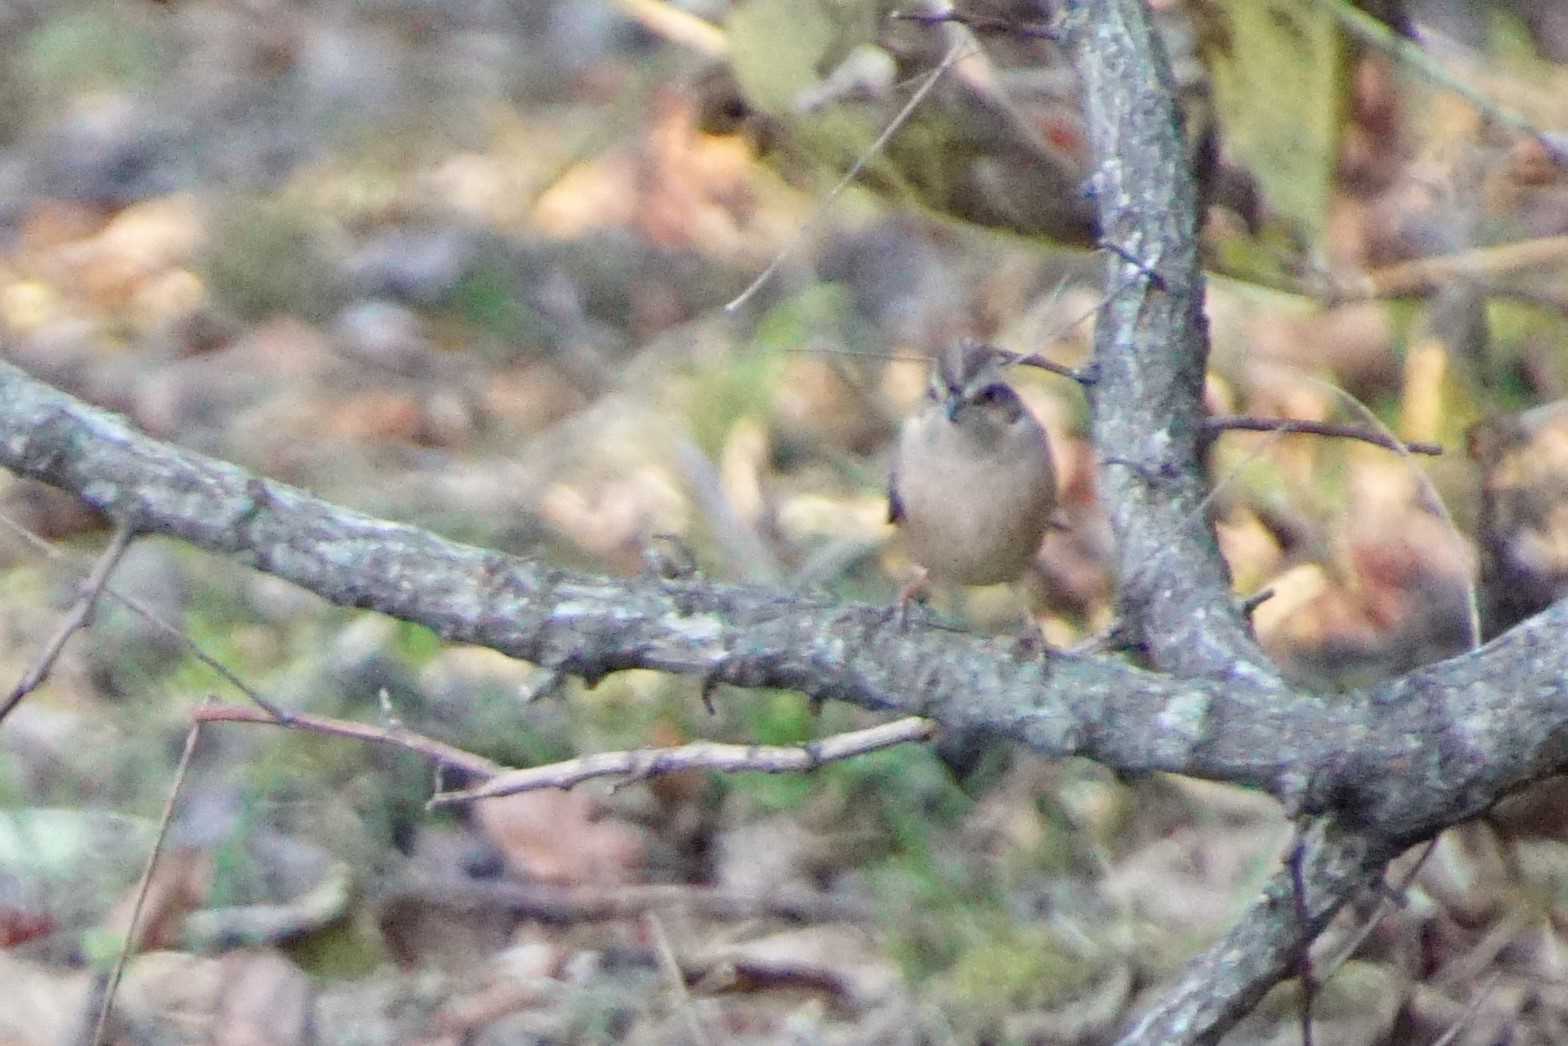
(1400, 761)
(1222, 985)
(1151, 349)
(1405, 758)
(1151, 354)
(590, 626)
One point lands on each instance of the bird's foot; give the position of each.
(915, 593)
(1029, 643)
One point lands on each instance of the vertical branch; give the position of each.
(1152, 348)
(1231, 977)
(1174, 596)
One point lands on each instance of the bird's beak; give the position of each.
(952, 405)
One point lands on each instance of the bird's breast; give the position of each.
(974, 515)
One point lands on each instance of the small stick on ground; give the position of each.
(672, 972)
(141, 888)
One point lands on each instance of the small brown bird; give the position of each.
(972, 483)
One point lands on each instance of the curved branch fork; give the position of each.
(1389, 765)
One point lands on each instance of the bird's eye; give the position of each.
(990, 394)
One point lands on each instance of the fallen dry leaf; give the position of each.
(562, 837)
(180, 883)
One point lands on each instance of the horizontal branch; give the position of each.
(1409, 756)
(700, 755)
(638, 764)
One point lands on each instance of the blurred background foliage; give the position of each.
(465, 265)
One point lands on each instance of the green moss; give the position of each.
(415, 643)
(1017, 968)
(778, 717)
(501, 737)
(904, 793)
(928, 909)
(103, 46)
(343, 951)
(266, 257)
(487, 298)
(775, 793)
(910, 790)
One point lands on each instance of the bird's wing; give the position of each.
(895, 506)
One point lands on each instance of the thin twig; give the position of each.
(978, 23)
(953, 54)
(1257, 599)
(1034, 359)
(1234, 423)
(141, 889)
(1372, 31)
(435, 751)
(1226, 480)
(1429, 492)
(671, 23)
(1380, 909)
(672, 972)
(1136, 262)
(1482, 264)
(81, 612)
(1086, 375)
(702, 755)
(1465, 1018)
(1082, 375)
(1309, 985)
(1393, 443)
(147, 614)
